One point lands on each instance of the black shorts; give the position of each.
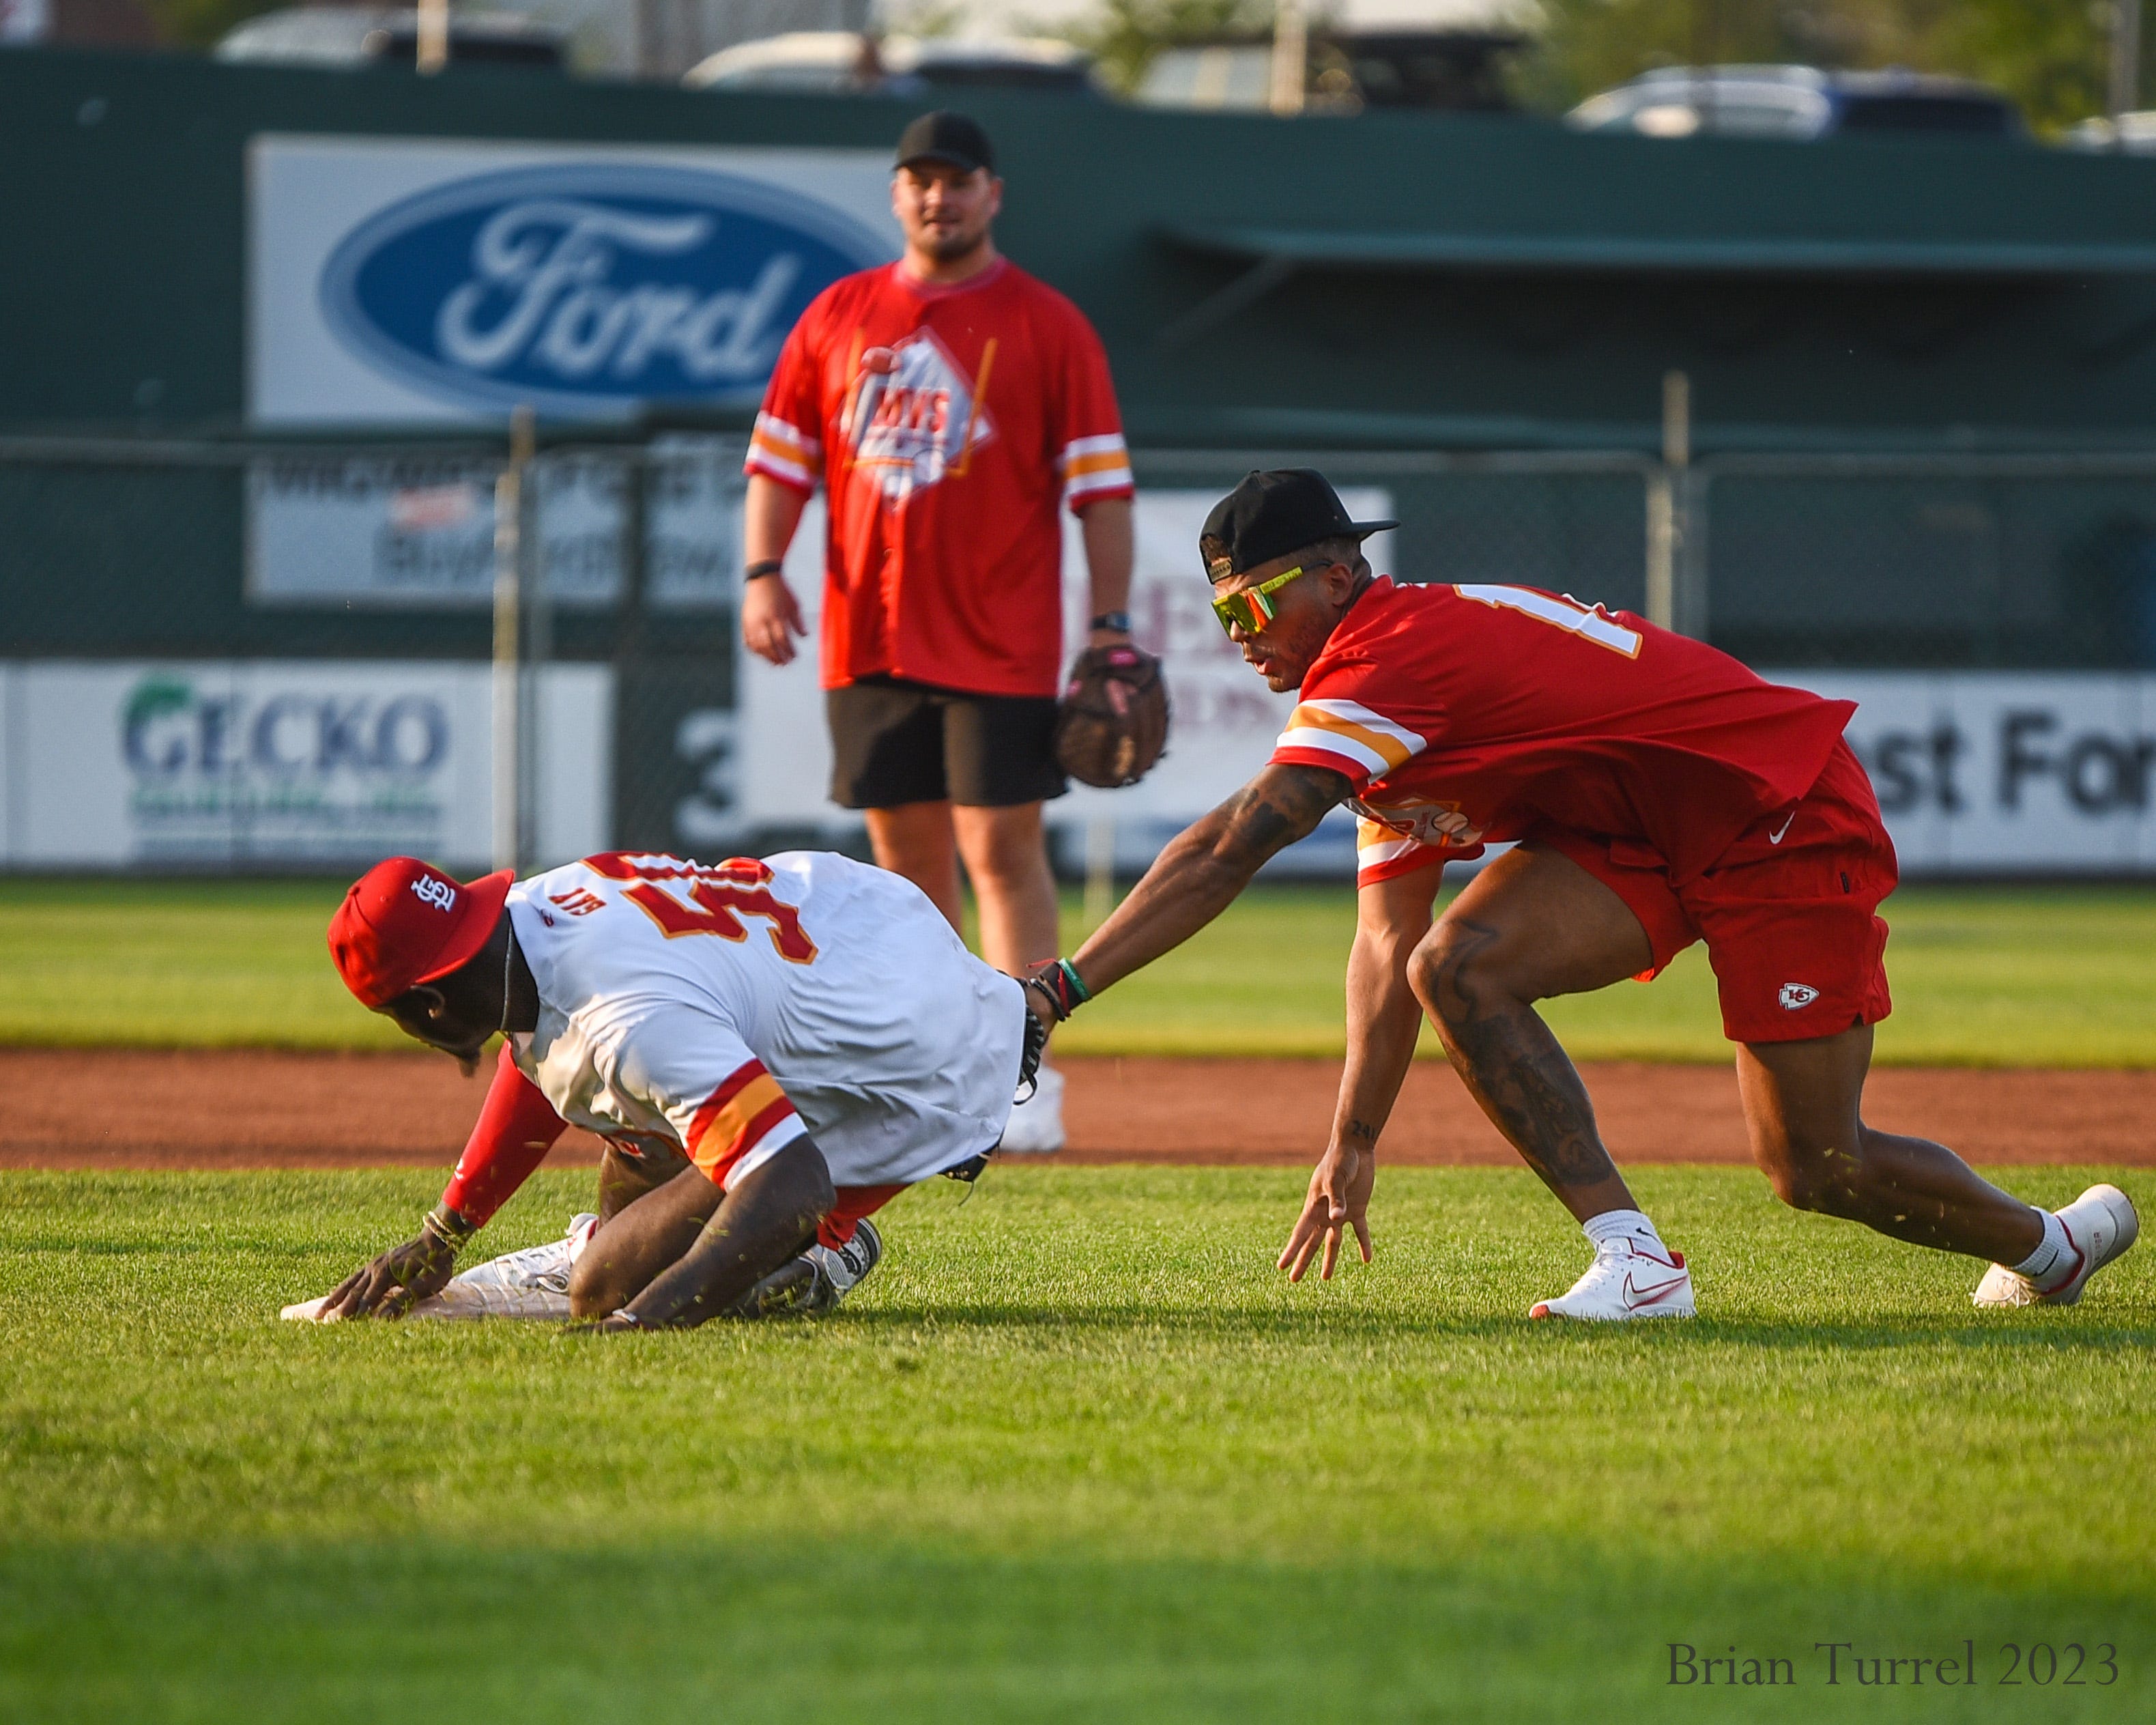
(894, 742)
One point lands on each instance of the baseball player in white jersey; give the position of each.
(771, 1049)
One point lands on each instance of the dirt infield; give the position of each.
(131, 1109)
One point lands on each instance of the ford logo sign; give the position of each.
(589, 289)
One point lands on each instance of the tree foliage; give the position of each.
(202, 24)
(1124, 35)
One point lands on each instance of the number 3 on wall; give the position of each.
(1590, 623)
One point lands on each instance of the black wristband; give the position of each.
(1119, 621)
(769, 566)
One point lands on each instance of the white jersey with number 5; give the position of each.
(724, 1008)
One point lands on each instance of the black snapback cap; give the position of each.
(1271, 514)
(946, 137)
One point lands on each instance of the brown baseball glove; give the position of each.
(1112, 723)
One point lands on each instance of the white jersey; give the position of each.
(725, 1008)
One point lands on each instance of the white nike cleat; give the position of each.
(542, 1268)
(462, 1299)
(841, 1269)
(2101, 1224)
(533, 1283)
(1035, 1127)
(1628, 1279)
(814, 1282)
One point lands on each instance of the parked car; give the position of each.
(2121, 134)
(1349, 69)
(839, 62)
(1796, 102)
(372, 35)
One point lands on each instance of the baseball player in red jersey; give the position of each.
(1657, 793)
(946, 403)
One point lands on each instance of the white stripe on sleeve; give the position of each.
(1358, 758)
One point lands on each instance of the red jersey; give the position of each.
(945, 422)
(1461, 714)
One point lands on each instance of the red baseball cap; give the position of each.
(404, 923)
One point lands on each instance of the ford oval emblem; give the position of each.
(589, 289)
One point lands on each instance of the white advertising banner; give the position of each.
(1226, 719)
(286, 763)
(408, 529)
(411, 281)
(1989, 772)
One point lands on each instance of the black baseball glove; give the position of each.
(1112, 723)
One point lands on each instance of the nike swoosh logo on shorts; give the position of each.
(1776, 836)
(1636, 1297)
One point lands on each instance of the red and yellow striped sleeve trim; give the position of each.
(1094, 468)
(1347, 736)
(779, 451)
(1384, 853)
(743, 1123)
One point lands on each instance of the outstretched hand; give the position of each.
(1339, 1199)
(394, 1282)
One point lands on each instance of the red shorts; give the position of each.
(1788, 912)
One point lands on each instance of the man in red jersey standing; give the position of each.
(1657, 793)
(946, 403)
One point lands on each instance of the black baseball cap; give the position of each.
(1271, 514)
(946, 137)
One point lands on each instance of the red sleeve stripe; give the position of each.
(1358, 771)
(741, 1114)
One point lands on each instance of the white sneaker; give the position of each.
(841, 1269)
(1035, 1127)
(815, 1282)
(533, 1283)
(1628, 1279)
(544, 1268)
(2100, 1225)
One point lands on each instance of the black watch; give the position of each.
(769, 566)
(1119, 621)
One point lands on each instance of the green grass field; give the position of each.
(2057, 976)
(1076, 1453)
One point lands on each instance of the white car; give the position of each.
(1795, 102)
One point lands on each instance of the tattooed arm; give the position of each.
(1205, 867)
(1384, 1020)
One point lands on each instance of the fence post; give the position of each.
(509, 553)
(1100, 870)
(1669, 493)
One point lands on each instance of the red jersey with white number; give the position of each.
(1462, 714)
(944, 422)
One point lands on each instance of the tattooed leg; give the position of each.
(1532, 925)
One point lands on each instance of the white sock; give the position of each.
(1623, 1224)
(2055, 1258)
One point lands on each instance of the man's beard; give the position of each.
(949, 247)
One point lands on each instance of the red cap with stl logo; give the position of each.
(404, 923)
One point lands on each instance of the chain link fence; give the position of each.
(248, 554)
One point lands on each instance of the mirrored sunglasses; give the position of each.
(1253, 608)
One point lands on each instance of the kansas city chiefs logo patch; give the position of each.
(1797, 994)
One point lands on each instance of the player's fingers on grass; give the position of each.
(1362, 1237)
(341, 1297)
(1331, 1252)
(1295, 1256)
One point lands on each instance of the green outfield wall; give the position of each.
(1390, 281)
